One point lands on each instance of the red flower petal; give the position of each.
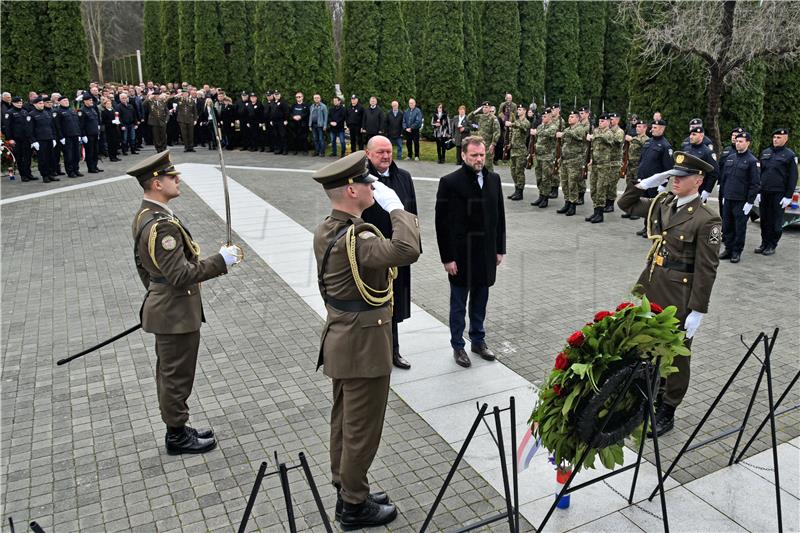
(562, 362)
(655, 308)
(600, 315)
(624, 305)
(576, 339)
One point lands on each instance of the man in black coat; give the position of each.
(379, 157)
(374, 119)
(471, 234)
(354, 117)
(778, 180)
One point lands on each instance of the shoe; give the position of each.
(45, 179)
(380, 498)
(483, 350)
(598, 217)
(726, 254)
(538, 201)
(24, 178)
(665, 420)
(416, 158)
(545, 201)
(202, 433)
(759, 250)
(564, 208)
(33, 178)
(592, 216)
(399, 361)
(461, 357)
(609, 207)
(187, 442)
(71, 175)
(571, 211)
(124, 153)
(768, 251)
(367, 514)
(53, 178)
(59, 173)
(642, 232)
(190, 150)
(134, 152)
(580, 199)
(736, 257)
(517, 195)
(115, 159)
(625, 215)
(634, 217)
(554, 192)
(79, 174)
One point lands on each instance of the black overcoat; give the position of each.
(471, 225)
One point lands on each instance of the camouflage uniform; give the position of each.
(488, 129)
(619, 141)
(519, 151)
(573, 150)
(634, 154)
(583, 178)
(545, 157)
(604, 165)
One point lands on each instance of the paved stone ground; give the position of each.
(82, 445)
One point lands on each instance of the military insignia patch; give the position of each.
(29, 118)
(168, 242)
(715, 236)
(679, 158)
(713, 156)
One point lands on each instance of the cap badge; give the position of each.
(679, 158)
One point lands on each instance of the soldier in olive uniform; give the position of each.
(545, 138)
(604, 167)
(487, 127)
(519, 151)
(356, 343)
(573, 152)
(613, 177)
(187, 119)
(158, 116)
(682, 264)
(169, 265)
(635, 143)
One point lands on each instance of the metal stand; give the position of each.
(511, 512)
(766, 369)
(282, 471)
(651, 373)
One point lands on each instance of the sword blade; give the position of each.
(98, 346)
(218, 134)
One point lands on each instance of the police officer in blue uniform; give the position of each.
(730, 149)
(18, 135)
(68, 124)
(693, 124)
(43, 134)
(656, 157)
(778, 180)
(739, 184)
(697, 146)
(90, 132)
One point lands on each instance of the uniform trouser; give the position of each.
(57, 157)
(734, 225)
(771, 218)
(72, 154)
(674, 387)
(44, 158)
(488, 163)
(280, 136)
(600, 183)
(545, 180)
(412, 143)
(630, 176)
(91, 148)
(359, 407)
(251, 137)
(160, 138)
(176, 360)
(22, 154)
(187, 135)
(172, 131)
(570, 174)
(518, 170)
(611, 184)
(356, 139)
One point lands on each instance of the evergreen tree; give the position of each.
(591, 44)
(782, 94)
(415, 18)
(312, 63)
(616, 81)
(563, 53)
(261, 44)
(151, 53)
(277, 46)
(170, 35)
(209, 53)
(396, 80)
(71, 71)
(361, 41)
(26, 37)
(530, 79)
(442, 58)
(185, 41)
(501, 50)
(473, 54)
(236, 19)
(743, 105)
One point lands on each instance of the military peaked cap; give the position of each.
(660, 122)
(737, 130)
(696, 122)
(153, 167)
(605, 116)
(745, 134)
(687, 165)
(697, 129)
(16, 99)
(781, 131)
(347, 170)
(613, 115)
(87, 96)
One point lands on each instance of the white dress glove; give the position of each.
(84, 139)
(54, 143)
(35, 146)
(692, 322)
(653, 181)
(63, 141)
(758, 199)
(747, 207)
(704, 195)
(231, 254)
(386, 197)
(785, 202)
(115, 121)
(662, 188)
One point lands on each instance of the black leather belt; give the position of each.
(159, 279)
(676, 265)
(352, 306)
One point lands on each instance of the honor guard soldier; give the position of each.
(778, 180)
(44, 139)
(739, 184)
(545, 138)
(519, 151)
(682, 264)
(487, 127)
(90, 131)
(573, 150)
(18, 135)
(69, 126)
(355, 267)
(656, 157)
(619, 141)
(604, 168)
(169, 265)
(694, 123)
(697, 147)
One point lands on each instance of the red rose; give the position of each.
(600, 315)
(624, 305)
(576, 339)
(562, 363)
(655, 308)
(557, 389)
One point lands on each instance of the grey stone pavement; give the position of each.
(82, 445)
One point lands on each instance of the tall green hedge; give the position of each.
(209, 51)
(743, 105)
(591, 46)
(441, 56)
(473, 52)
(782, 94)
(563, 53)
(151, 41)
(170, 35)
(530, 80)
(70, 70)
(312, 64)
(361, 48)
(616, 70)
(27, 53)
(237, 36)
(501, 45)
(186, 41)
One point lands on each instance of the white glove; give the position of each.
(785, 202)
(747, 208)
(662, 188)
(692, 322)
(35, 146)
(231, 254)
(704, 195)
(386, 197)
(54, 143)
(115, 121)
(84, 139)
(653, 181)
(758, 199)
(63, 141)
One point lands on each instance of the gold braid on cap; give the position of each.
(374, 297)
(657, 238)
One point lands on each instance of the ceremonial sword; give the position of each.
(218, 134)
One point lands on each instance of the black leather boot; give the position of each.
(378, 497)
(554, 192)
(538, 201)
(517, 194)
(571, 211)
(598, 215)
(592, 216)
(182, 440)
(367, 514)
(580, 199)
(665, 420)
(544, 202)
(609, 208)
(564, 208)
(399, 361)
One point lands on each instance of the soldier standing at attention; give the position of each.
(18, 135)
(613, 177)
(519, 151)
(778, 180)
(44, 138)
(487, 127)
(573, 150)
(187, 119)
(656, 157)
(545, 138)
(169, 265)
(157, 118)
(738, 186)
(604, 167)
(356, 266)
(682, 265)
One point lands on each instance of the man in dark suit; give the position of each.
(381, 165)
(471, 234)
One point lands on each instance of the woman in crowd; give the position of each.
(441, 131)
(110, 121)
